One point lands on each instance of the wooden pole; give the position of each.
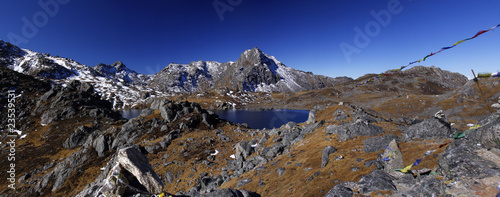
(481, 91)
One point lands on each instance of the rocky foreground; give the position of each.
(76, 145)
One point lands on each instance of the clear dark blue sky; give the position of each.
(302, 34)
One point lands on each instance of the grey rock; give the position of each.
(243, 182)
(208, 183)
(312, 117)
(77, 137)
(370, 163)
(167, 114)
(395, 158)
(157, 103)
(132, 160)
(164, 128)
(431, 128)
(243, 149)
(229, 193)
(356, 129)
(169, 177)
(311, 127)
(331, 129)
(325, 153)
(127, 135)
(460, 158)
(375, 144)
(489, 132)
(205, 119)
(290, 125)
(339, 191)
(378, 180)
(280, 171)
(152, 149)
(426, 186)
(101, 145)
(224, 138)
(146, 112)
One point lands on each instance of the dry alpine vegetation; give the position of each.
(350, 146)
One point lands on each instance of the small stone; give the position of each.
(280, 171)
(243, 182)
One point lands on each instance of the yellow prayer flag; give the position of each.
(405, 170)
(458, 42)
(475, 126)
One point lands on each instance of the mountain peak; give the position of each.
(9, 50)
(119, 66)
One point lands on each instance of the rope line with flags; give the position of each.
(427, 56)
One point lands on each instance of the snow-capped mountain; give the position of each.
(254, 71)
(116, 83)
(194, 77)
(257, 71)
(120, 72)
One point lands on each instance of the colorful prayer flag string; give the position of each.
(423, 59)
(408, 168)
(486, 75)
(462, 134)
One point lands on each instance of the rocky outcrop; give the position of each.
(497, 105)
(72, 99)
(358, 128)
(437, 126)
(25, 87)
(339, 191)
(127, 173)
(8, 52)
(324, 155)
(133, 161)
(392, 158)
(375, 144)
(471, 152)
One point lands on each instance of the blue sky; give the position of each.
(305, 35)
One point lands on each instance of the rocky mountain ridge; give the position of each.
(254, 71)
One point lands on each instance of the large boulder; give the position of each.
(375, 144)
(339, 191)
(356, 129)
(378, 180)
(392, 158)
(472, 161)
(432, 128)
(131, 174)
(489, 132)
(243, 150)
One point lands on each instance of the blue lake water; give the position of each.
(254, 118)
(259, 119)
(130, 113)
